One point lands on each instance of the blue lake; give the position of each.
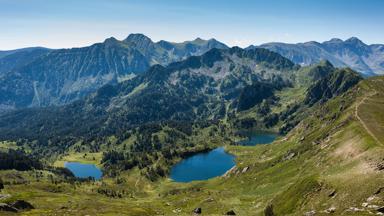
(81, 170)
(257, 138)
(203, 166)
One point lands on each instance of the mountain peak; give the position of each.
(110, 40)
(335, 40)
(198, 39)
(137, 37)
(354, 40)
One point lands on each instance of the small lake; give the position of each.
(257, 138)
(82, 170)
(203, 166)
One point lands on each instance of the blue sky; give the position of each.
(74, 23)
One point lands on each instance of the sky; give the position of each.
(76, 23)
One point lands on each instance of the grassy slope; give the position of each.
(332, 151)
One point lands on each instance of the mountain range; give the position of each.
(203, 87)
(40, 77)
(137, 118)
(353, 53)
(242, 88)
(61, 76)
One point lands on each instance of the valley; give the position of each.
(324, 159)
(329, 143)
(187, 128)
(191, 108)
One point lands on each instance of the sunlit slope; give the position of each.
(331, 162)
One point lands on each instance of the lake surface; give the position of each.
(203, 166)
(257, 138)
(81, 170)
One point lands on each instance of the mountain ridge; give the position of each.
(213, 78)
(59, 77)
(367, 59)
(65, 75)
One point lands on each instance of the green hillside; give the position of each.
(331, 162)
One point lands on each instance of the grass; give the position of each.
(333, 154)
(82, 157)
(5, 145)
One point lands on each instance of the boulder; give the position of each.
(289, 155)
(4, 196)
(332, 194)
(330, 210)
(379, 190)
(230, 171)
(381, 209)
(268, 211)
(310, 213)
(380, 166)
(197, 211)
(354, 209)
(371, 198)
(7, 208)
(230, 212)
(22, 205)
(245, 169)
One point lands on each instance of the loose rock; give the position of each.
(310, 213)
(245, 169)
(197, 211)
(371, 198)
(379, 190)
(7, 208)
(354, 209)
(330, 210)
(4, 196)
(332, 194)
(231, 212)
(22, 205)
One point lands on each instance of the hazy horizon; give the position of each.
(67, 24)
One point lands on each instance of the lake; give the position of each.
(257, 138)
(203, 166)
(82, 170)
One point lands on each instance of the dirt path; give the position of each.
(361, 120)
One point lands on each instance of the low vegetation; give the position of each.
(328, 159)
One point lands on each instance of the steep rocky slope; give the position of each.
(204, 87)
(10, 60)
(65, 75)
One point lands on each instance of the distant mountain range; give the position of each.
(353, 53)
(61, 76)
(198, 88)
(39, 77)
